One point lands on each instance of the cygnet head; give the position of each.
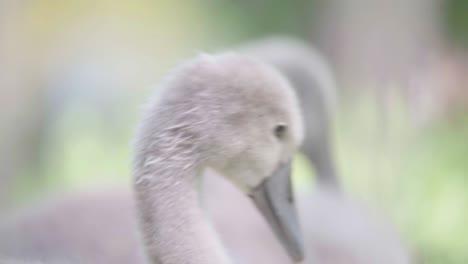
(312, 77)
(236, 115)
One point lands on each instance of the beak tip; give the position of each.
(296, 252)
(273, 198)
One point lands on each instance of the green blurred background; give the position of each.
(73, 75)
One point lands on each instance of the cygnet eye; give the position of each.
(280, 131)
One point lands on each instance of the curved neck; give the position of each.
(173, 225)
(315, 88)
(319, 153)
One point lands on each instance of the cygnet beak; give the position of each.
(274, 198)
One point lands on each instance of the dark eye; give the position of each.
(280, 131)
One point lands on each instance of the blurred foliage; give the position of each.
(415, 175)
(243, 20)
(433, 188)
(456, 20)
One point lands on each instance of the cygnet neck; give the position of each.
(174, 227)
(319, 153)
